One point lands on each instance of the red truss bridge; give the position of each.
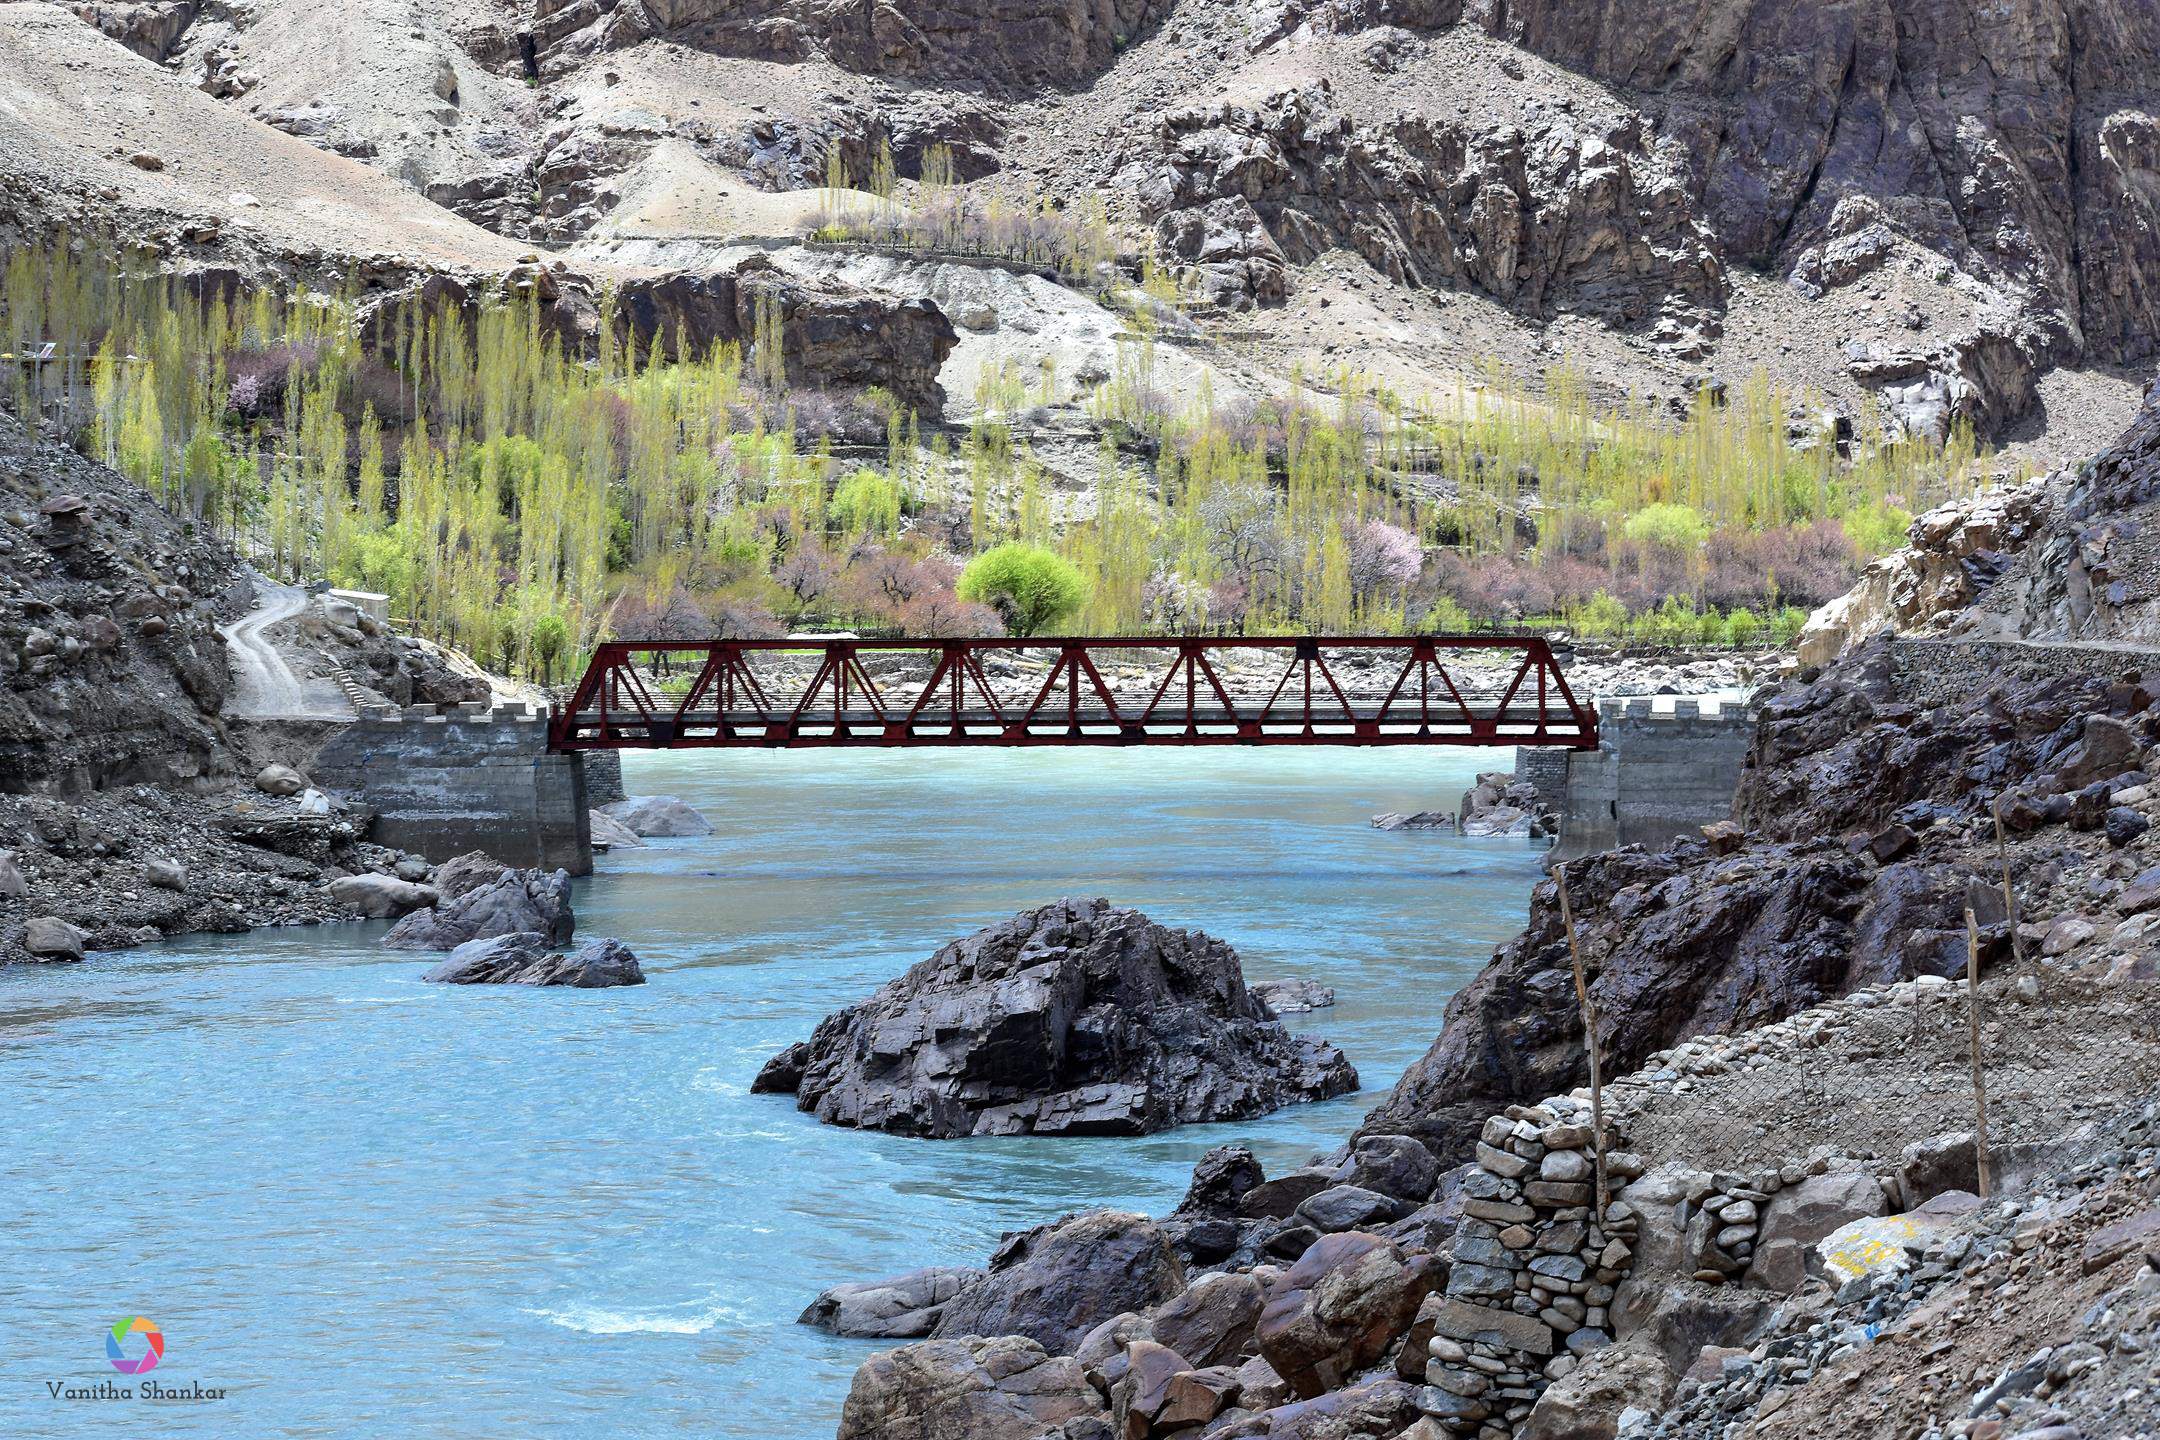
(1156, 690)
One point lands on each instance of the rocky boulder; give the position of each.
(464, 873)
(1211, 1322)
(1803, 1214)
(1293, 997)
(1385, 1406)
(610, 833)
(650, 816)
(1002, 1388)
(379, 897)
(524, 959)
(280, 780)
(1075, 1019)
(515, 902)
(1057, 1282)
(48, 938)
(905, 1307)
(1337, 1310)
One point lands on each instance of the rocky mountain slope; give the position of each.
(111, 669)
(1950, 207)
(1862, 819)
(127, 810)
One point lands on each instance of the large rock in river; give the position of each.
(514, 902)
(1075, 1019)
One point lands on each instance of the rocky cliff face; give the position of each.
(2069, 557)
(1541, 218)
(2015, 140)
(2093, 573)
(111, 668)
(833, 336)
(1008, 45)
(1075, 1019)
(1859, 826)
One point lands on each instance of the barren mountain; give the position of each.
(1952, 206)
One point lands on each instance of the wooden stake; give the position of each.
(1979, 1076)
(2002, 854)
(1590, 1041)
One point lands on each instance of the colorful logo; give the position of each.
(147, 1328)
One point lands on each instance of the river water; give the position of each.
(361, 1205)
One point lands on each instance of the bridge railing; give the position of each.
(1489, 690)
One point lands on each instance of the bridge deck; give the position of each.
(815, 693)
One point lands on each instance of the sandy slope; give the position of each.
(77, 108)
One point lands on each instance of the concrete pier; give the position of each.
(467, 777)
(1657, 774)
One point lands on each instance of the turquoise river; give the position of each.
(359, 1205)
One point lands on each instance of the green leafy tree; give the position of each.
(867, 503)
(1668, 526)
(550, 636)
(1030, 587)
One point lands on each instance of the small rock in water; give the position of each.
(905, 1307)
(662, 816)
(524, 959)
(1294, 997)
(49, 938)
(1422, 820)
(611, 834)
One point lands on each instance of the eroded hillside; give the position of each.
(1952, 208)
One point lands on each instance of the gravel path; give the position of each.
(264, 685)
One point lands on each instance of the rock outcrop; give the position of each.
(2092, 573)
(1809, 125)
(1544, 219)
(1955, 552)
(1702, 937)
(1008, 46)
(513, 902)
(1075, 1019)
(833, 337)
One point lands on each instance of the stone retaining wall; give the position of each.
(1931, 672)
(445, 781)
(1546, 771)
(1656, 774)
(603, 777)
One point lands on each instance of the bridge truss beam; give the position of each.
(1123, 690)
